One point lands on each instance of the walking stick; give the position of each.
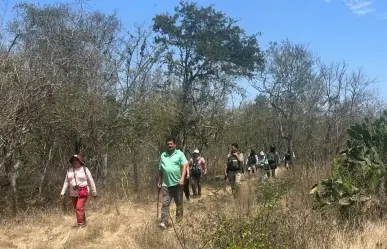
(158, 200)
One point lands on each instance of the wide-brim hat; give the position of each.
(78, 157)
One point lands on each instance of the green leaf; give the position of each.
(354, 135)
(345, 201)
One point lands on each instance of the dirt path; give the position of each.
(121, 225)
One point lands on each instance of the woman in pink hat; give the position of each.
(80, 181)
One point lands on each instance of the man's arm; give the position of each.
(187, 171)
(183, 173)
(183, 168)
(238, 156)
(204, 166)
(241, 159)
(225, 167)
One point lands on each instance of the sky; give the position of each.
(335, 30)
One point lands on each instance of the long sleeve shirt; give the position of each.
(78, 176)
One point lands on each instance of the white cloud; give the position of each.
(360, 7)
(382, 16)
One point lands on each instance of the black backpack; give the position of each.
(288, 157)
(271, 158)
(252, 160)
(196, 169)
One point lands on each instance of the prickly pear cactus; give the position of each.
(359, 171)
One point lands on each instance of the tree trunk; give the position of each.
(43, 177)
(78, 146)
(13, 180)
(328, 140)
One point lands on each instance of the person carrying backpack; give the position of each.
(272, 160)
(287, 159)
(198, 167)
(234, 168)
(251, 162)
(263, 166)
(80, 181)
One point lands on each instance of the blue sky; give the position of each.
(350, 30)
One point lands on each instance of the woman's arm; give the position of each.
(65, 186)
(91, 182)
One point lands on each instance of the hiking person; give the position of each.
(263, 166)
(272, 160)
(172, 173)
(251, 162)
(288, 159)
(234, 168)
(198, 168)
(80, 181)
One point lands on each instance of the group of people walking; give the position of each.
(176, 175)
(265, 163)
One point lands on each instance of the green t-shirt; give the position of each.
(171, 165)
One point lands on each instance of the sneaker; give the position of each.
(162, 226)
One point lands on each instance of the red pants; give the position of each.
(79, 207)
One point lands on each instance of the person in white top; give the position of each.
(197, 168)
(80, 181)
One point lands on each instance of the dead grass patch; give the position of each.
(288, 222)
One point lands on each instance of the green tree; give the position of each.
(204, 48)
(291, 84)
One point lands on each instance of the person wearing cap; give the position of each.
(198, 167)
(80, 181)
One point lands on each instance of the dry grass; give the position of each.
(292, 223)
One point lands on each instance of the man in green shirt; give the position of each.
(172, 170)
